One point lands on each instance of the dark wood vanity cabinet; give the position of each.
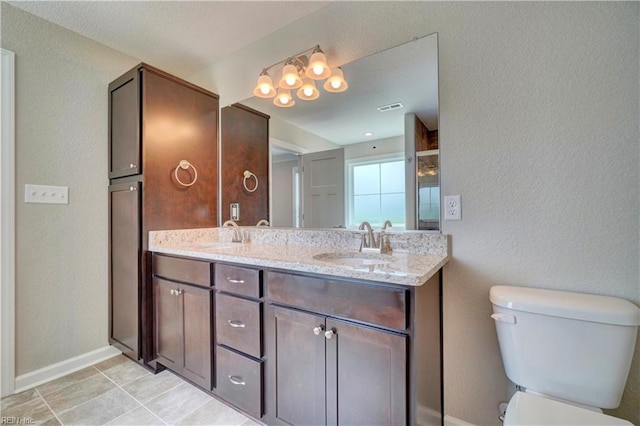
(344, 352)
(302, 349)
(239, 337)
(155, 121)
(183, 314)
(124, 279)
(331, 371)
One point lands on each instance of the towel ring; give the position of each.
(249, 175)
(184, 165)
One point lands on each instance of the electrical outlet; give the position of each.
(42, 194)
(452, 207)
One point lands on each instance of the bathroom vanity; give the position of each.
(299, 327)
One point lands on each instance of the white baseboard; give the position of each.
(452, 421)
(54, 371)
(427, 416)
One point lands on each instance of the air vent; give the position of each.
(385, 108)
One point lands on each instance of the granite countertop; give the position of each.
(415, 258)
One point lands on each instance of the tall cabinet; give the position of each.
(162, 175)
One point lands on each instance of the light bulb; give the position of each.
(317, 70)
(335, 84)
(265, 90)
(308, 91)
(284, 99)
(290, 80)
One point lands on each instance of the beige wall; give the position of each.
(61, 139)
(538, 131)
(539, 135)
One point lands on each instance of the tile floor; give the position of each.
(118, 392)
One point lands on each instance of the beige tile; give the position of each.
(126, 372)
(250, 422)
(137, 417)
(214, 412)
(177, 403)
(51, 422)
(17, 399)
(100, 410)
(111, 362)
(150, 386)
(34, 409)
(72, 396)
(63, 382)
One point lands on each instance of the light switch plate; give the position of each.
(235, 211)
(45, 194)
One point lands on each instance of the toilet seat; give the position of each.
(528, 409)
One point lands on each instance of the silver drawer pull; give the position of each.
(237, 380)
(236, 324)
(235, 280)
(132, 188)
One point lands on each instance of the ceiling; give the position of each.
(184, 36)
(188, 36)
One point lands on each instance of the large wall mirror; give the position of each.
(367, 154)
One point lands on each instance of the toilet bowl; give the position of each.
(535, 410)
(570, 353)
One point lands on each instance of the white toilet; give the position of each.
(570, 353)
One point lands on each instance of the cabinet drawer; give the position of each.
(379, 305)
(184, 270)
(240, 381)
(239, 324)
(238, 280)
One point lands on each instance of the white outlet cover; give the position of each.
(452, 207)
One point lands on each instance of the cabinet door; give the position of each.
(300, 367)
(124, 126)
(168, 323)
(366, 375)
(124, 267)
(198, 336)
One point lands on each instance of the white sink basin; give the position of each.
(355, 259)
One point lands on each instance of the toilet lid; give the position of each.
(528, 409)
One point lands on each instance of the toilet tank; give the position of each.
(573, 346)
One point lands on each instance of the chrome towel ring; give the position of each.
(184, 165)
(249, 175)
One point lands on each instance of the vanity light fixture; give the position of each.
(300, 72)
(284, 99)
(336, 83)
(308, 91)
(264, 88)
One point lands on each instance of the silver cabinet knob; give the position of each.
(317, 330)
(329, 334)
(173, 292)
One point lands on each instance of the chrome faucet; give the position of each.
(237, 236)
(383, 241)
(368, 239)
(263, 222)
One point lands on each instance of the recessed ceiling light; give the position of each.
(368, 134)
